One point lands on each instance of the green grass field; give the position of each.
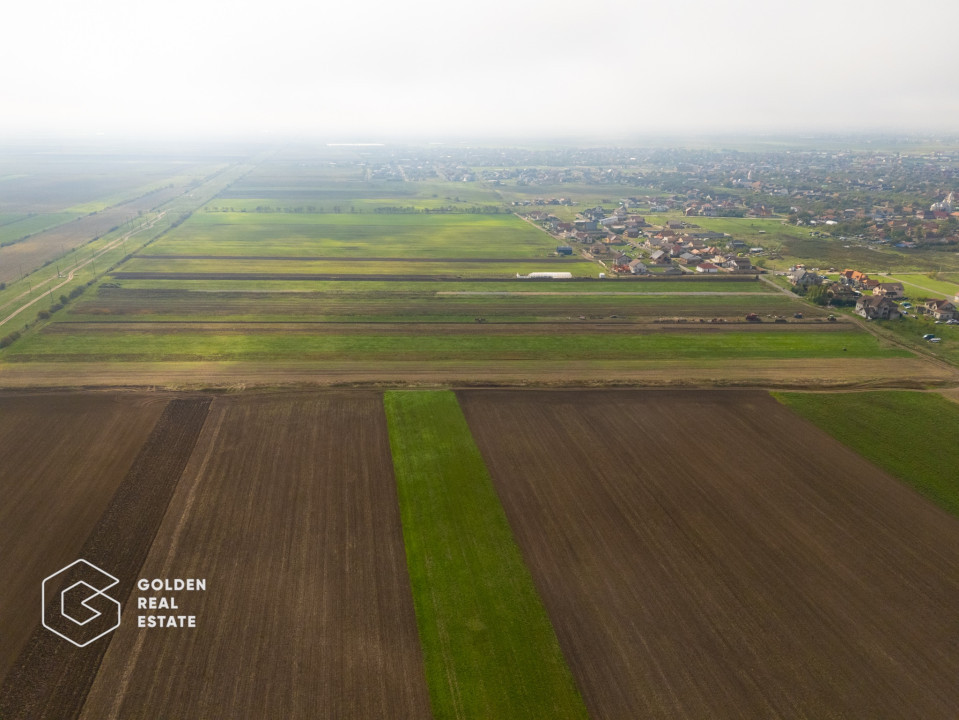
(14, 231)
(612, 286)
(413, 305)
(488, 646)
(912, 435)
(449, 267)
(922, 286)
(347, 189)
(153, 342)
(356, 236)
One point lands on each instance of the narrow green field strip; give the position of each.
(912, 435)
(12, 232)
(385, 202)
(8, 218)
(512, 285)
(122, 302)
(488, 645)
(66, 342)
(346, 266)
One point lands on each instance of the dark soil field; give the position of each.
(62, 458)
(51, 678)
(288, 509)
(711, 555)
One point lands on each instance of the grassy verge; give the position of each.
(489, 648)
(909, 434)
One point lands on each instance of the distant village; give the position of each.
(676, 247)
(680, 246)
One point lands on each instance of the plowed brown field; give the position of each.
(711, 555)
(62, 457)
(288, 509)
(51, 679)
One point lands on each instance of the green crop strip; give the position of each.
(488, 645)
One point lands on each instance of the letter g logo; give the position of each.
(85, 613)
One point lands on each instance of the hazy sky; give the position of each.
(366, 68)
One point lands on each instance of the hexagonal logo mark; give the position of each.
(85, 612)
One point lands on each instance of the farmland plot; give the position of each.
(62, 458)
(51, 679)
(712, 555)
(288, 510)
(356, 236)
(488, 646)
(55, 242)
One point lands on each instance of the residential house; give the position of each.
(707, 267)
(802, 279)
(636, 267)
(660, 257)
(893, 291)
(877, 307)
(840, 294)
(940, 309)
(739, 264)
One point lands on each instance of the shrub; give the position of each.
(9, 339)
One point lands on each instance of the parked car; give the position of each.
(928, 336)
(935, 339)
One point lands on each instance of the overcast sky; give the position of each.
(365, 69)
